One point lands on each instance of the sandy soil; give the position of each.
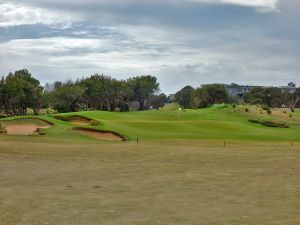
(100, 135)
(80, 122)
(24, 129)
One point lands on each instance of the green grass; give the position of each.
(215, 123)
(179, 172)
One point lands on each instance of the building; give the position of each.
(239, 91)
(236, 90)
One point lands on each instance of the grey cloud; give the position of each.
(181, 42)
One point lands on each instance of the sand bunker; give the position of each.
(78, 120)
(100, 135)
(25, 127)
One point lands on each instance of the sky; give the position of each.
(181, 42)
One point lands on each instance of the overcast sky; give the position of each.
(178, 41)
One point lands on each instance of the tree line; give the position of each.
(207, 95)
(273, 97)
(20, 91)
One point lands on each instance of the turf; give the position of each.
(215, 123)
(180, 182)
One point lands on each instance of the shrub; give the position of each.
(267, 109)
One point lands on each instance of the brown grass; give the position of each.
(49, 181)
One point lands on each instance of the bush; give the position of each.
(267, 109)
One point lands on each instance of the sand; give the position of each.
(24, 129)
(100, 135)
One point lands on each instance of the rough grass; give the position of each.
(54, 181)
(277, 115)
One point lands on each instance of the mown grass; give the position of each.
(215, 123)
(162, 182)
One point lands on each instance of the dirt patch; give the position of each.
(78, 120)
(28, 126)
(100, 134)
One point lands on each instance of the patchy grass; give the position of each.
(278, 115)
(54, 181)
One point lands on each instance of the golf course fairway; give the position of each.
(209, 166)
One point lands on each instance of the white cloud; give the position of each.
(261, 5)
(13, 14)
(163, 53)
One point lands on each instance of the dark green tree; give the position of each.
(256, 96)
(142, 89)
(97, 91)
(184, 97)
(271, 97)
(20, 91)
(201, 98)
(217, 93)
(68, 98)
(157, 101)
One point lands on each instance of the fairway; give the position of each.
(180, 172)
(56, 182)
